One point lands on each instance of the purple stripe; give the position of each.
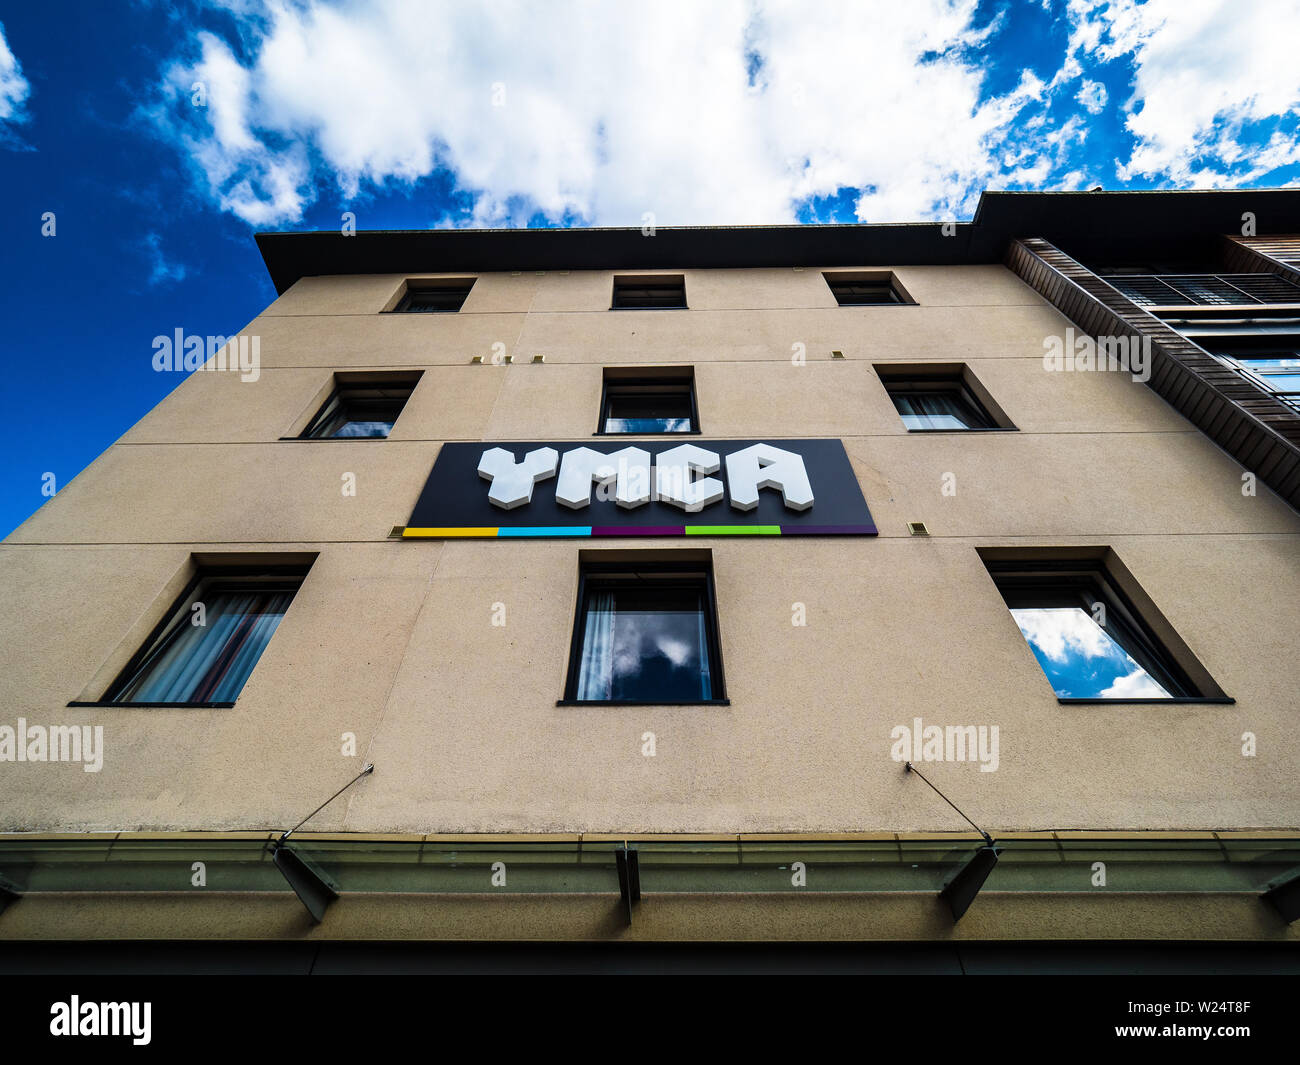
(638, 530)
(828, 530)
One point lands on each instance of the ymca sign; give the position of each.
(660, 488)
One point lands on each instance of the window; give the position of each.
(1090, 638)
(362, 406)
(645, 633)
(434, 296)
(863, 289)
(206, 647)
(933, 397)
(1274, 370)
(652, 401)
(657, 291)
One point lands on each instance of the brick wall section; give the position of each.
(1260, 433)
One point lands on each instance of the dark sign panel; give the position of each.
(642, 488)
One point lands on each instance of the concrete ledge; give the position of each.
(618, 837)
(773, 917)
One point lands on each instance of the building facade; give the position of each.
(649, 561)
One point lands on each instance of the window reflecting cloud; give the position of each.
(1080, 658)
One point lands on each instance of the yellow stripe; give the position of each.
(408, 534)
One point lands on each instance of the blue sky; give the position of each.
(163, 135)
(1081, 659)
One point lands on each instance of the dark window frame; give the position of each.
(401, 384)
(650, 382)
(415, 290)
(946, 379)
(692, 573)
(269, 577)
(624, 284)
(872, 282)
(1056, 579)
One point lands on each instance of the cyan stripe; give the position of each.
(546, 530)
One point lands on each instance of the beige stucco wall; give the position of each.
(393, 641)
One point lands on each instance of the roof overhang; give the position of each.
(1086, 224)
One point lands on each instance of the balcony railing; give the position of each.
(1205, 290)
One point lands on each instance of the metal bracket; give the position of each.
(1284, 896)
(313, 888)
(8, 893)
(629, 877)
(965, 884)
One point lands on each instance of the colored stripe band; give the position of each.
(547, 530)
(828, 530)
(639, 530)
(420, 534)
(601, 531)
(733, 530)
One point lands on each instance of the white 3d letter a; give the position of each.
(765, 466)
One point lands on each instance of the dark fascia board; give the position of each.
(289, 256)
(1088, 225)
(1102, 226)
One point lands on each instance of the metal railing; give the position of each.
(1204, 290)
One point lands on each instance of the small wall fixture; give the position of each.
(837, 354)
(476, 360)
(917, 528)
(538, 360)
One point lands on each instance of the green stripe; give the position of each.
(733, 530)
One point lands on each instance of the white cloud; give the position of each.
(1203, 69)
(14, 88)
(160, 269)
(248, 177)
(1063, 632)
(1092, 95)
(1067, 634)
(1137, 685)
(608, 113)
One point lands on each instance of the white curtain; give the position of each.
(211, 662)
(706, 683)
(931, 411)
(596, 671)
